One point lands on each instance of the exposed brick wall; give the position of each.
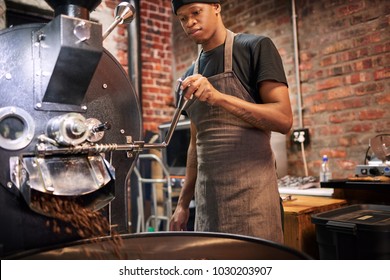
(157, 62)
(344, 67)
(345, 75)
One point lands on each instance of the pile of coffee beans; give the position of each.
(77, 219)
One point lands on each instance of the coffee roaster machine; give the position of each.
(70, 125)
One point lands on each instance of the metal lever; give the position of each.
(180, 106)
(124, 14)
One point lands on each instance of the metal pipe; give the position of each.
(298, 81)
(296, 65)
(134, 43)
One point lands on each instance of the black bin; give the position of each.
(360, 231)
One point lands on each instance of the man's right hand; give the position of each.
(179, 219)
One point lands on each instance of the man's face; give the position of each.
(199, 20)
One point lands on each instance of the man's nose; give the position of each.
(190, 22)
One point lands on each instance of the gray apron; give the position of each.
(236, 188)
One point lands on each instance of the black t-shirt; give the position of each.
(255, 59)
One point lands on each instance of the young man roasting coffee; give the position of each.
(238, 94)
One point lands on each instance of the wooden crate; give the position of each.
(299, 231)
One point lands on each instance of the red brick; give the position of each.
(363, 64)
(330, 60)
(371, 114)
(330, 130)
(369, 88)
(362, 127)
(330, 83)
(383, 99)
(340, 92)
(348, 165)
(342, 117)
(358, 78)
(381, 48)
(351, 9)
(382, 74)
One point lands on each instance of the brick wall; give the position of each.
(344, 68)
(345, 75)
(344, 52)
(156, 55)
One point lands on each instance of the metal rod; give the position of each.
(296, 65)
(111, 27)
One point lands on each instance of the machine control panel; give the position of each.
(368, 170)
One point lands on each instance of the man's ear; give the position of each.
(217, 7)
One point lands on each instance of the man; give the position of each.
(238, 94)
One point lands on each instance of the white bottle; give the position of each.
(325, 173)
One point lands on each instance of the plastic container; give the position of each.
(325, 172)
(360, 231)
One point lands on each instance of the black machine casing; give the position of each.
(47, 76)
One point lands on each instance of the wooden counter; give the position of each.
(299, 231)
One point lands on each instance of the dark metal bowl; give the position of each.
(169, 246)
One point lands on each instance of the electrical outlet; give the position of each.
(301, 135)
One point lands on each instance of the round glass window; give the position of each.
(16, 128)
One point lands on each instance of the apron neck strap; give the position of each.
(229, 50)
